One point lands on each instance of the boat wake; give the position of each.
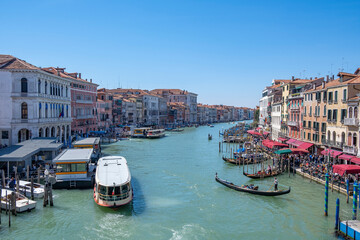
(189, 231)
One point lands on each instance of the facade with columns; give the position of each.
(33, 102)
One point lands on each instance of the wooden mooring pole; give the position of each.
(32, 188)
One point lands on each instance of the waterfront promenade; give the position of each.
(176, 197)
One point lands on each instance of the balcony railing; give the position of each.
(293, 123)
(332, 143)
(294, 107)
(350, 149)
(351, 121)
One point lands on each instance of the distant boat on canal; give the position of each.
(112, 182)
(155, 133)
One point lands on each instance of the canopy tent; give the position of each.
(290, 141)
(258, 128)
(341, 169)
(333, 153)
(283, 151)
(282, 139)
(252, 132)
(305, 145)
(272, 144)
(291, 150)
(355, 160)
(297, 143)
(346, 157)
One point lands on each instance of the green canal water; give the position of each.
(176, 197)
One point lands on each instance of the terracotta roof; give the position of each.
(61, 72)
(275, 86)
(171, 91)
(301, 81)
(278, 81)
(11, 62)
(346, 74)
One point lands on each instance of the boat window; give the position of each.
(63, 168)
(102, 190)
(117, 190)
(124, 188)
(110, 190)
(79, 167)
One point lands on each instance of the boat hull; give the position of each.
(113, 204)
(79, 184)
(258, 176)
(251, 191)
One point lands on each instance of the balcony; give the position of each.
(293, 123)
(333, 143)
(294, 107)
(351, 121)
(350, 149)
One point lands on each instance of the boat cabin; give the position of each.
(140, 132)
(74, 165)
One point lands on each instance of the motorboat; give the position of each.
(155, 133)
(112, 182)
(23, 204)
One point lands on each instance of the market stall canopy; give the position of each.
(333, 153)
(355, 160)
(272, 144)
(298, 150)
(305, 145)
(252, 132)
(346, 157)
(283, 151)
(297, 143)
(341, 169)
(290, 141)
(258, 128)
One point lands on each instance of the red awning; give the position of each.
(290, 141)
(258, 128)
(333, 153)
(305, 145)
(278, 144)
(266, 143)
(297, 143)
(252, 132)
(282, 139)
(346, 157)
(344, 168)
(355, 160)
(296, 150)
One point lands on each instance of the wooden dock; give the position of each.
(315, 179)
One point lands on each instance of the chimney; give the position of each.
(292, 78)
(311, 78)
(323, 84)
(79, 75)
(327, 78)
(91, 80)
(315, 78)
(333, 77)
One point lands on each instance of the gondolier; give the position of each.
(275, 184)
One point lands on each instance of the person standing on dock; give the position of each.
(12, 183)
(275, 184)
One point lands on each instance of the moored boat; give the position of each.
(22, 203)
(261, 174)
(253, 190)
(25, 188)
(177, 130)
(155, 133)
(112, 182)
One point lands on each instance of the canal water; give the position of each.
(176, 197)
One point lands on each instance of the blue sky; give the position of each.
(226, 51)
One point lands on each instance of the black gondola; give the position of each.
(261, 175)
(251, 191)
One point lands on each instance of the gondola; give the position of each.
(251, 191)
(258, 176)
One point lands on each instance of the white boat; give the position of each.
(112, 182)
(139, 132)
(25, 188)
(155, 133)
(22, 203)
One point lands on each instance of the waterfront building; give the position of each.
(182, 96)
(83, 101)
(201, 114)
(34, 102)
(129, 111)
(104, 107)
(264, 104)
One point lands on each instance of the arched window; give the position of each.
(350, 112)
(355, 112)
(349, 139)
(66, 92)
(51, 89)
(40, 132)
(45, 87)
(39, 86)
(62, 91)
(24, 111)
(343, 138)
(46, 111)
(334, 137)
(24, 85)
(354, 140)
